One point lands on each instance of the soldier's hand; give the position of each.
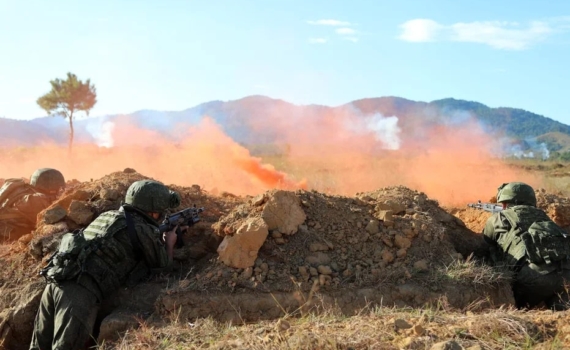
(170, 238)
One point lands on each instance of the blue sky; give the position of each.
(174, 54)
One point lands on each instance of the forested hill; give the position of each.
(514, 121)
(238, 118)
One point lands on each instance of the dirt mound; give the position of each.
(474, 219)
(261, 257)
(556, 206)
(391, 246)
(76, 208)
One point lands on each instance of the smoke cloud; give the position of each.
(328, 150)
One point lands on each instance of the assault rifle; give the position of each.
(490, 207)
(186, 217)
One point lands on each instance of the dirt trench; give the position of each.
(299, 252)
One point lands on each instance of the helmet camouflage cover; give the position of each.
(516, 193)
(47, 180)
(151, 196)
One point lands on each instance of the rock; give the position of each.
(401, 253)
(54, 214)
(282, 325)
(110, 194)
(324, 280)
(304, 273)
(65, 201)
(259, 200)
(447, 345)
(247, 273)
(16, 323)
(280, 240)
(283, 212)
(385, 215)
(276, 234)
(401, 324)
(25, 239)
(395, 207)
(313, 271)
(420, 199)
(419, 330)
(421, 265)
(80, 212)
(236, 251)
(387, 256)
(388, 241)
(318, 259)
(402, 242)
(325, 270)
(129, 171)
(372, 227)
(115, 325)
(318, 247)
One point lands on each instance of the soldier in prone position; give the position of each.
(93, 263)
(524, 238)
(20, 202)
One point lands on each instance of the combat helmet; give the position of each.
(151, 196)
(47, 180)
(517, 193)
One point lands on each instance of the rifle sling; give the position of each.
(137, 248)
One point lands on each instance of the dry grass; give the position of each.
(474, 272)
(371, 329)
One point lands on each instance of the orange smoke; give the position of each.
(205, 156)
(337, 151)
(343, 152)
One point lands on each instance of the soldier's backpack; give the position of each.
(76, 247)
(543, 242)
(11, 191)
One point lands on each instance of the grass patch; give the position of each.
(372, 328)
(472, 271)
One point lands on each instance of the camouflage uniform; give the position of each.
(67, 313)
(534, 282)
(18, 213)
(20, 218)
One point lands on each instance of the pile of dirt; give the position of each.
(262, 257)
(474, 219)
(390, 246)
(556, 206)
(76, 208)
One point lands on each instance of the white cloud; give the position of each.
(318, 40)
(420, 30)
(499, 35)
(329, 22)
(346, 31)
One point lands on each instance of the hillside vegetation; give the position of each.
(237, 118)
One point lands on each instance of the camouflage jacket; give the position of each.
(19, 217)
(115, 263)
(506, 248)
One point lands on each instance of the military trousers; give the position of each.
(65, 318)
(533, 286)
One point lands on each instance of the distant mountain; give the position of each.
(239, 119)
